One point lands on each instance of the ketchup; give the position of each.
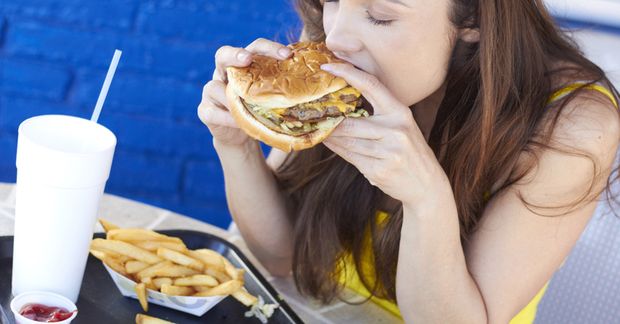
(46, 314)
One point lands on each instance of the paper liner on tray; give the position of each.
(193, 305)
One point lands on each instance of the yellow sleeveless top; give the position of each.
(351, 279)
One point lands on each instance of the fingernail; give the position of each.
(284, 52)
(243, 56)
(327, 67)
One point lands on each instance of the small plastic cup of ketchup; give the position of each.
(35, 307)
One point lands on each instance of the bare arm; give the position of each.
(254, 200)
(515, 251)
(256, 204)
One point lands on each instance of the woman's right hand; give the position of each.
(213, 110)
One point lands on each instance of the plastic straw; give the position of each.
(106, 85)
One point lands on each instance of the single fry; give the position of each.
(154, 245)
(158, 282)
(107, 226)
(146, 280)
(172, 290)
(175, 271)
(139, 234)
(141, 292)
(180, 258)
(127, 249)
(201, 288)
(244, 297)
(145, 319)
(196, 280)
(151, 271)
(210, 258)
(231, 271)
(220, 275)
(134, 266)
(98, 254)
(224, 289)
(115, 264)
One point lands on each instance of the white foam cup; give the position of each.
(63, 163)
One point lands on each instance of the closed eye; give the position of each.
(376, 21)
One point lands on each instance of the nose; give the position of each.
(341, 38)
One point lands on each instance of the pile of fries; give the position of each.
(163, 263)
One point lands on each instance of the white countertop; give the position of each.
(129, 213)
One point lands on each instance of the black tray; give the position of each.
(101, 302)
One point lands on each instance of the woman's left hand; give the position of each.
(388, 148)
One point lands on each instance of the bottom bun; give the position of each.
(284, 142)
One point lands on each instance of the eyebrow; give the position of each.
(400, 2)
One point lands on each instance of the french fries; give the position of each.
(139, 234)
(134, 266)
(197, 280)
(180, 258)
(107, 226)
(160, 281)
(154, 245)
(226, 288)
(141, 292)
(245, 297)
(124, 248)
(145, 319)
(163, 263)
(176, 290)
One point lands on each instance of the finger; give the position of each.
(361, 162)
(366, 147)
(371, 88)
(230, 56)
(266, 47)
(211, 115)
(215, 91)
(366, 128)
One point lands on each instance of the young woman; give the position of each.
(491, 141)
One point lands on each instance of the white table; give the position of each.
(129, 213)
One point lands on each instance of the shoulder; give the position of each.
(589, 122)
(572, 154)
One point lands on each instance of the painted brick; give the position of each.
(34, 80)
(15, 110)
(147, 54)
(204, 181)
(140, 173)
(185, 61)
(165, 138)
(117, 14)
(54, 55)
(82, 48)
(241, 23)
(138, 95)
(8, 149)
(2, 28)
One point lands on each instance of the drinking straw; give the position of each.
(106, 85)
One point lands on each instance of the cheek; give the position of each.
(414, 65)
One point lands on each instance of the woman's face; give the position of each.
(406, 44)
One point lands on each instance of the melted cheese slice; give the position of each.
(333, 100)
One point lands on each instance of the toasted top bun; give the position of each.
(273, 83)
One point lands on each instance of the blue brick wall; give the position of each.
(53, 59)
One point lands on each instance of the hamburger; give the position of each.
(291, 104)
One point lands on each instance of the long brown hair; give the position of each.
(497, 97)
